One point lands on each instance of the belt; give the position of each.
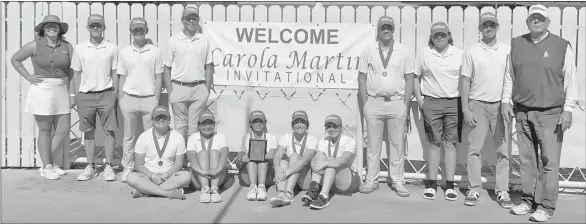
(190, 84)
(521, 107)
(442, 98)
(137, 96)
(101, 91)
(387, 98)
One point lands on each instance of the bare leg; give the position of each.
(262, 169)
(252, 169)
(178, 180)
(90, 145)
(144, 185)
(61, 124)
(434, 160)
(214, 162)
(110, 145)
(283, 184)
(329, 175)
(450, 161)
(204, 162)
(292, 180)
(45, 124)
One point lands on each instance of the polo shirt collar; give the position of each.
(486, 47)
(448, 52)
(145, 48)
(395, 45)
(102, 44)
(185, 37)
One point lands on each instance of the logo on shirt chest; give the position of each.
(545, 54)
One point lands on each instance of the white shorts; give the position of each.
(50, 97)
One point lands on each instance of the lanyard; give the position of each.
(335, 148)
(203, 146)
(385, 60)
(159, 150)
(302, 144)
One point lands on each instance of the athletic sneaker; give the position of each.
(320, 202)
(215, 195)
(368, 187)
(49, 173)
(58, 170)
(251, 196)
(261, 193)
(109, 174)
(278, 199)
(540, 216)
(204, 196)
(137, 194)
(312, 193)
(177, 194)
(522, 209)
(88, 173)
(472, 197)
(504, 199)
(401, 190)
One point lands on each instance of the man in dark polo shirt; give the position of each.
(539, 85)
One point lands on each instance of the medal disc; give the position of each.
(384, 74)
(160, 163)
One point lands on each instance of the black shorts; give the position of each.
(442, 119)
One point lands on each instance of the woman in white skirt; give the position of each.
(48, 96)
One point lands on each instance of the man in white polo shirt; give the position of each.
(140, 68)
(481, 85)
(188, 72)
(385, 87)
(160, 152)
(94, 63)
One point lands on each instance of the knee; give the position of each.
(134, 178)
(89, 135)
(184, 176)
(109, 134)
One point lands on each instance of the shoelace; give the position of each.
(504, 196)
(472, 194)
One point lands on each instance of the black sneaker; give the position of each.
(504, 200)
(472, 197)
(311, 193)
(320, 202)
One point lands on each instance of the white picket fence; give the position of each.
(19, 131)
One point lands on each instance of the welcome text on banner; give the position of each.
(288, 54)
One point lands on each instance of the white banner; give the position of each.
(288, 54)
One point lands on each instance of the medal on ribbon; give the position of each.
(302, 144)
(385, 60)
(336, 147)
(159, 150)
(203, 146)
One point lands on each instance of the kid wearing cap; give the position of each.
(253, 173)
(159, 155)
(207, 152)
(293, 170)
(333, 164)
(437, 71)
(140, 70)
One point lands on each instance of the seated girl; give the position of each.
(207, 153)
(257, 172)
(333, 165)
(293, 170)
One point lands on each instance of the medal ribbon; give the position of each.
(302, 144)
(210, 142)
(385, 60)
(335, 147)
(159, 150)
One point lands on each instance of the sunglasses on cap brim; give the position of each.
(207, 122)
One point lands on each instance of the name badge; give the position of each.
(257, 150)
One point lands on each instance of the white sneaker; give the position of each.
(522, 209)
(88, 173)
(261, 193)
(251, 196)
(58, 170)
(109, 174)
(49, 173)
(125, 174)
(540, 216)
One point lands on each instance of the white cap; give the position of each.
(539, 9)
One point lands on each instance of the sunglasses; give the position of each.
(206, 123)
(540, 18)
(51, 26)
(492, 25)
(95, 26)
(297, 121)
(161, 119)
(387, 27)
(191, 19)
(258, 121)
(334, 126)
(438, 35)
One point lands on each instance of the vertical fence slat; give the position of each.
(97, 8)
(219, 13)
(123, 25)
(408, 28)
(519, 25)
(318, 13)
(176, 25)
(232, 13)
(304, 14)
(570, 26)
(71, 18)
(395, 13)
(136, 10)
(41, 10)
(555, 17)
(164, 28)
(581, 48)
(55, 8)
(439, 14)
(110, 21)
(83, 13)
(275, 14)
(347, 14)
(260, 13)
(3, 87)
(378, 11)
(471, 33)
(205, 13)
(246, 13)
(503, 15)
(27, 129)
(289, 14)
(456, 23)
(12, 89)
(333, 14)
(487, 9)
(150, 15)
(423, 27)
(363, 14)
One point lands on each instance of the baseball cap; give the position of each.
(439, 27)
(206, 115)
(539, 9)
(257, 114)
(385, 20)
(138, 22)
(190, 10)
(300, 114)
(96, 18)
(488, 16)
(160, 110)
(334, 118)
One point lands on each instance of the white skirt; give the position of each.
(50, 97)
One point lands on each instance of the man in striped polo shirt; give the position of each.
(540, 87)
(481, 85)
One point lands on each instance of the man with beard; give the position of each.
(188, 73)
(94, 63)
(385, 86)
(481, 85)
(540, 87)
